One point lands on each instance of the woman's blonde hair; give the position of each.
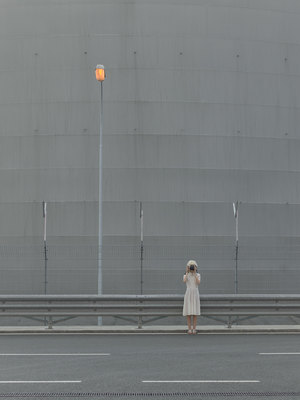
(192, 262)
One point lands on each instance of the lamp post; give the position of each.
(45, 245)
(100, 76)
(45, 252)
(142, 244)
(236, 216)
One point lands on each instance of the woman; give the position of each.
(191, 305)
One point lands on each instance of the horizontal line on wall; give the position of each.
(140, 134)
(199, 169)
(184, 69)
(175, 3)
(143, 101)
(197, 134)
(160, 169)
(140, 35)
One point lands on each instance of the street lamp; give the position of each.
(100, 76)
(100, 73)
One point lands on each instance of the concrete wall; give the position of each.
(201, 108)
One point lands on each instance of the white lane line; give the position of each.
(14, 382)
(55, 354)
(279, 354)
(204, 381)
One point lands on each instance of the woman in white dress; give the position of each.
(191, 305)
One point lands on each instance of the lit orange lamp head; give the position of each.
(100, 73)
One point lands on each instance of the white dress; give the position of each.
(191, 304)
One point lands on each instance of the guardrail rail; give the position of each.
(62, 307)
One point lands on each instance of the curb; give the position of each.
(100, 330)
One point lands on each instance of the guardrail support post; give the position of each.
(50, 323)
(229, 323)
(140, 322)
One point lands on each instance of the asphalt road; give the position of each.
(150, 366)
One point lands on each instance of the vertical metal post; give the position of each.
(45, 253)
(142, 244)
(45, 246)
(100, 199)
(140, 322)
(236, 266)
(140, 319)
(236, 216)
(50, 322)
(229, 322)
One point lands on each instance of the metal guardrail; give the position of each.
(63, 307)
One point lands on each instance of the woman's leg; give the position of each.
(188, 317)
(194, 321)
